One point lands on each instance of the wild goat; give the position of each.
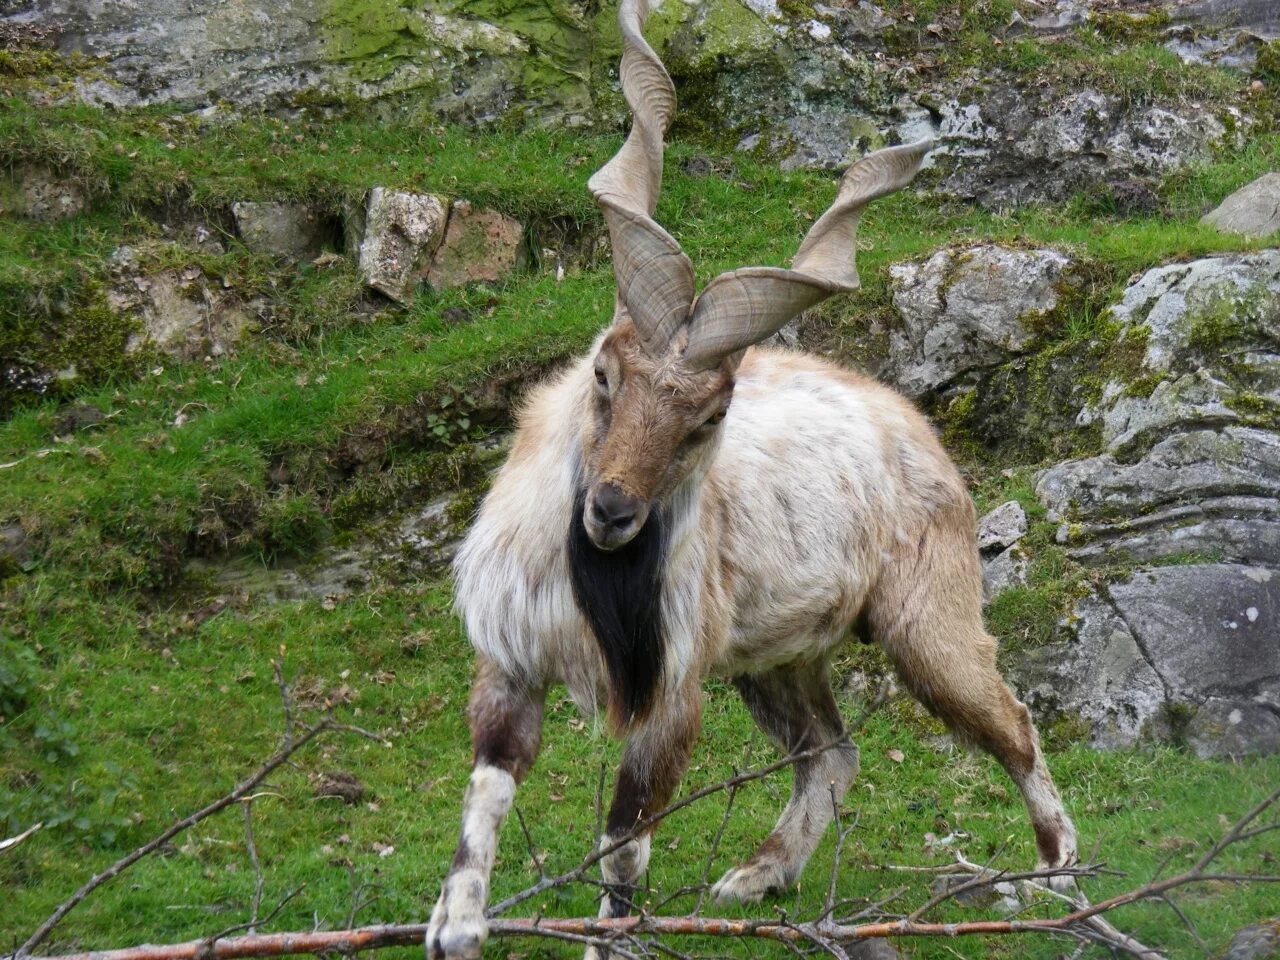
(676, 505)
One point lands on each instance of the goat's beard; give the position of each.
(619, 593)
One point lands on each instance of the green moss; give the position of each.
(1268, 63)
(291, 524)
(372, 34)
(1121, 27)
(560, 44)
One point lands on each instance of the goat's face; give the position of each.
(654, 421)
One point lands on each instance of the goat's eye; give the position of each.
(602, 378)
(716, 417)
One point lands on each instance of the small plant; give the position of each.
(451, 423)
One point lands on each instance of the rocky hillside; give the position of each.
(273, 275)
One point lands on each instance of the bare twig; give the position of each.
(246, 807)
(713, 851)
(12, 842)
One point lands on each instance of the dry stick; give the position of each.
(711, 854)
(246, 806)
(281, 756)
(596, 929)
(1103, 931)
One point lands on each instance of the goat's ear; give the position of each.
(744, 306)
(655, 279)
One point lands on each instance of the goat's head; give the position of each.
(664, 370)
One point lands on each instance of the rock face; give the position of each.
(1253, 210)
(38, 193)
(479, 246)
(1190, 471)
(1011, 145)
(292, 231)
(401, 232)
(180, 312)
(1003, 564)
(275, 51)
(1186, 652)
(964, 310)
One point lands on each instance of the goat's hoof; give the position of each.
(750, 883)
(457, 931)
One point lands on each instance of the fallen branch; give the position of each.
(825, 932)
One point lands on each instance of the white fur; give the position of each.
(817, 441)
(458, 927)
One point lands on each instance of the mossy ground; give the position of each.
(126, 703)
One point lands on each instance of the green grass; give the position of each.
(166, 715)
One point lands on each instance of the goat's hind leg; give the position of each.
(794, 705)
(927, 614)
(506, 728)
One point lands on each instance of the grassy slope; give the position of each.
(117, 735)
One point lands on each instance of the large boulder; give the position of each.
(1187, 653)
(1253, 210)
(1192, 459)
(965, 310)
(1189, 476)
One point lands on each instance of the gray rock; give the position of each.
(1002, 527)
(268, 52)
(1100, 675)
(965, 310)
(1194, 400)
(1007, 145)
(1191, 466)
(1170, 302)
(180, 311)
(1182, 468)
(401, 233)
(292, 231)
(1262, 16)
(1002, 572)
(1253, 210)
(1258, 942)
(1190, 652)
(13, 547)
(1065, 15)
(479, 246)
(38, 193)
(1234, 49)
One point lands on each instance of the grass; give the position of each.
(167, 714)
(124, 703)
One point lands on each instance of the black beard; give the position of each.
(619, 593)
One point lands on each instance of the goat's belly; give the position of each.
(791, 621)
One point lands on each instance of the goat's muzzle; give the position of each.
(612, 517)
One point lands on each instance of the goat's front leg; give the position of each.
(506, 728)
(653, 762)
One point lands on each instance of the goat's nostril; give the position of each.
(613, 508)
